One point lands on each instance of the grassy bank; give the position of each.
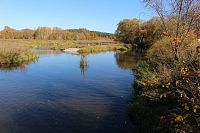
(103, 48)
(167, 90)
(84, 46)
(17, 52)
(12, 55)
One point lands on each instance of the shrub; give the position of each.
(174, 84)
(175, 88)
(16, 56)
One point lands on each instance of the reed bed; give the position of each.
(16, 55)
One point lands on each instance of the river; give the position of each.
(64, 93)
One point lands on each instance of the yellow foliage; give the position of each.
(184, 71)
(179, 118)
(165, 34)
(164, 95)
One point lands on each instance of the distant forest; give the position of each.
(46, 33)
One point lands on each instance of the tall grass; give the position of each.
(85, 46)
(102, 48)
(15, 55)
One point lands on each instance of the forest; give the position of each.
(46, 33)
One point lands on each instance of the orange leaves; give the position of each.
(182, 131)
(179, 118)
(176, 42)
(164, 95)
(165, 34)
(198, 91)
(178, 82)
(149, 84)
(184, 70)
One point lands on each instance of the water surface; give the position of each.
(58, 94)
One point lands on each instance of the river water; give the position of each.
(64, 93)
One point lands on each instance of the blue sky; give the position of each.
(99, 15)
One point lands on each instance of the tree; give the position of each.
(42, 33)
(26, 34)
(46, 33)
(153, 30)
(56, 34)
(140, 33)
(128, 30)
(197, 19)
(181, 15)
(8, 33)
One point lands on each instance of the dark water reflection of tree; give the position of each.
(14, 67)
(128, 60)
(124, 60)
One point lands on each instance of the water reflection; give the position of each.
(47, 52)
(15, 67)
(53, 96)
(128, 60)
(125, 60)
(83, 64)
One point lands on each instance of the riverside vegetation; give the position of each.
(167, 88)
(16, 45)
(12, 56)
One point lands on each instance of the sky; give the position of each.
(96, 15)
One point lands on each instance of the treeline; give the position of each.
(143, 34)
(46, 33)
(140, 33)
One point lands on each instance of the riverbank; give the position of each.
(16, 51)
(13, 56)
(167, 91)
(85, 46)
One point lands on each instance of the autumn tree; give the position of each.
(42, 33)
(26, 34)
(140, 33)
(8, 33)
(196, 24)
(153, 31)
(46, 33)
(128, 30)
(180, 15)
(56, 34)
(67, 35)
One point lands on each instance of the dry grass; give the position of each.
(15, 55)
(16, 51)
(85, 46)
(102, 48)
